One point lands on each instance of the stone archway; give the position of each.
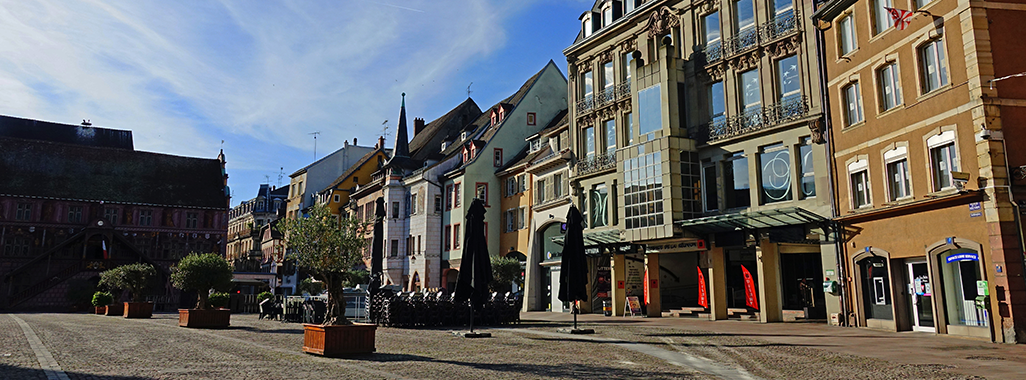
(414, 285)
(878, 300)
(955, 266)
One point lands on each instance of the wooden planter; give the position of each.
(138, 309)
(116, 309)
(335, 341)
(204, 319)
(101, 310)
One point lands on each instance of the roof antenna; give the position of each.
(468, 89)
(315, 142)
(384, 129)
(281, 172)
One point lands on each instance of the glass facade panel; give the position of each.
(642, 189)
(960, 269)
(599, 206)
(737, 189)
(775, 173)
(808, 169)
(650, 110)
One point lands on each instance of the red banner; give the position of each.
(645, 285)
(750, 299)
(703, 299)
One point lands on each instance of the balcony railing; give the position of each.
(596, 163)
(791, 108)
(782, 25)
(623, 89)
(605, 96)
(585, 103)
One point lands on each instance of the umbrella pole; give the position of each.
(471, 317)
(576, 310)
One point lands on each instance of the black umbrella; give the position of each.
(475, 266)
(377, 249)
(573, 271)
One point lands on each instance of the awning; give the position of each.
(751, 220)
(596, 238)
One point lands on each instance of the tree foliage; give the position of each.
(134, 278)
(505, 271)
(329, 248)
(310, 287)
(102, 299)
(202, 272)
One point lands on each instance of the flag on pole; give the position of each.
(105, 254)
(703, 298)
(750, 299)
(900, 17)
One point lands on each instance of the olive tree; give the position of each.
(506, 271)
(329, 249)
(134, 278)
(202, 272)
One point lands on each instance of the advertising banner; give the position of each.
(703, 299)
(750, 298)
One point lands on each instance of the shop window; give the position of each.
(960, 270)
(775, 173)
(599, 206)
(735, 181)
(808, 170)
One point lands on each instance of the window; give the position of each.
(846, 27)
(17, 246)
(782, 7)
(522, 218)
(395, 210)
(557, 185)
(881, 18)
(448, 197)
(481, 192)
(145, 217)
(890, 92)
(852, 104)
(589, 142)
(447, 237)
(629, 121)
(943, 160)
(744, 23)
(788, 82)
(511, 186)
(608, 80)
(805, 159)
(709, 187)
(532, 118)
(711, 28)
(628, 58)
(456, 195)
(191, 219)
(922, 3)
(497, 160)
(717, 102)
(587, 82)
(393, 249)
(75, 214)
(643, 191)
(628, 6)
(775, 168)
(607, 14)
(23, 212)
(898, 184)
(438, 203)
(413, 202)
(586, 25)
(735, 181)
(455, 236)
(111, 214)
(610, 136)
(599, 206)
(511, 220)
(522, 181)
(539, 191)
(933, 72)
(859, 176)
(336, 198)
(750, 91)
(409, 246)
(650, 110)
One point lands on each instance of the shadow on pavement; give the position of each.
(15, 372)
(756, 335)
(534, 370)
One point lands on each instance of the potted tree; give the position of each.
(201, 273)
(101, 300)
(134, 278)
(329, 248)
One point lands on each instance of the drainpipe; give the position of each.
(1018, 228)
(839, 247)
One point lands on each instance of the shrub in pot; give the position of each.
(219, 300)
(201, 273)
(134, 278)
(101, 300)
(330, 249)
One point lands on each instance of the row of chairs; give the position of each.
(437, 309)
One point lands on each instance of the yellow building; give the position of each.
(337, 194)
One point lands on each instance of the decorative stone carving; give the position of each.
(661, 21)
(629, 45)
(746, 61)
(605, 56)
(784, 47)
(816, 130)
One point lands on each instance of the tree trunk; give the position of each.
(336, 306)
(201, 302)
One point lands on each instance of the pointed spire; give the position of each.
(402, 142)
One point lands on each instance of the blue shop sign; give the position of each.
(962, 257)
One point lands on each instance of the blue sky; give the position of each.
(262, 75)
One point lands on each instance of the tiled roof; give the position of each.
(352, 169)
(68, 171)
(64, 133)
(427, 143)
(561, 118)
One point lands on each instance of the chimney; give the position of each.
(381, 142)
(346, 143)
(418, 125)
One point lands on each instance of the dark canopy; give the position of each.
(573, 272)
(475, 267)
(377, 247)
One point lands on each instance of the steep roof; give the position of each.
(67, 171)
(65, 133)
(402, 142)
(559, 120)
(510, 103)
(427, 142)
(352, 169)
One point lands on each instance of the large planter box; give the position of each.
(138, 309)
(117, 309)
(101, 309)
(204, 319)
(335, 341)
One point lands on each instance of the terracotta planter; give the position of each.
(100, 309)
(138, 309)
(117, 309)
(204, 319)
(335, 341)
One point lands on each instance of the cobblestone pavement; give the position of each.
(99, 347)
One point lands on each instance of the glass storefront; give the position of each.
(876, 290)
(960, 270)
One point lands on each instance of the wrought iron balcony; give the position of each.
(606, 96)
(596, 163)
(712, 52)
(742, 41)
(623, 89)
(585, 103)
(788, 109)
(782, 25)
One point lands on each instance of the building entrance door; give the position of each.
(920, 292)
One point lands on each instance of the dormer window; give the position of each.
(586, 24)
(502, 114)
